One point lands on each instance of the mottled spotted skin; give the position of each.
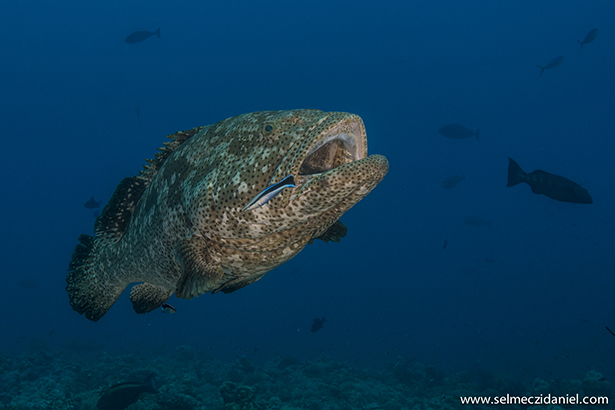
(188, 234)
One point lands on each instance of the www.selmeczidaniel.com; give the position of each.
(541, 399)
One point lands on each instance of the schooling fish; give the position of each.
(178, 227)
(269, 193)
(318, 324)
(591, 36)
(553, 186)
(122, 395)
(552, 64)
(456, 131)
(139, 36)
(91, 204)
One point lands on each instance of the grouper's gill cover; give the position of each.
(179, 226)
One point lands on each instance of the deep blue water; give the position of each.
(530, 295)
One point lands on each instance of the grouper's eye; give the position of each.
(268, 129)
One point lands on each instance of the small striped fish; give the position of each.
(269, 193)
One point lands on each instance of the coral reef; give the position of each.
(192, 380)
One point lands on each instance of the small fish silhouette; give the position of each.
(318, 324)
(92, 203)
(139, 36)
(122, 395)
(551, 185)
(452, 181)
(552, 64)
(457, 132)
(591, 36)
(168, 309)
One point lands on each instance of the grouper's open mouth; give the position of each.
(332, 143)
(330, 152)
(332, 161)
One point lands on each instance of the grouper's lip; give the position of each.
(343, 141)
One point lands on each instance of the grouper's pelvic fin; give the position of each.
(200, 272)
(515, 174)
(92, 292)
(146, 297)
(334, 233)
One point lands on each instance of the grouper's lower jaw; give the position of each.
(340, 188)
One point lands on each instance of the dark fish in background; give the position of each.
(552, 64)
(452, 181)
(476, 221)
(28, 283)
(553, 186)
(591, 36)
(122, 395)
(318, 324)
(445, 244)
(91, 204)
(168, 309)
(457, 132)
(139, 36)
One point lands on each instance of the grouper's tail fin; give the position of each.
(90, 291)
(515, 174)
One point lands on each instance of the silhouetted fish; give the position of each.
(28, 283)
(591, 36)
(122, 395)
(552, 64)
(452, 181)
(445, 244)
(318, 324)
(168, 309)
(456, 131)
(476, 221)
(91, 204)
(139, 36)
(553, 186)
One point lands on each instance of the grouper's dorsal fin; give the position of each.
(153, 165)
(111, 223)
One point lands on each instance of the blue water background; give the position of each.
(530, 295)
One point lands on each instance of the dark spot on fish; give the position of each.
(318, 324)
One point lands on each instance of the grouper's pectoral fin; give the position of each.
(333, 233)
(146, 297)
(200, 273)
